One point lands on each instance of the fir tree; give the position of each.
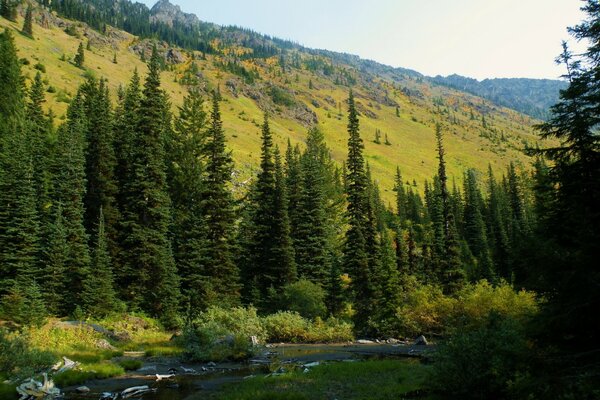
(11, 85)
(69, 190)
(310, 242)
(217, 208)
(186, 173)
(40, 127)
(267, 259)
(101, 189)
(80, 56)
(148, 212)
(98, 297)
(475, 232)
(28, 23)
(19, 222)
(356, 254)
(56, 253)
(452, 274)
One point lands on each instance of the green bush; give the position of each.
(287, 326)
(219, 334)
(305, 298)
(482, 362)
(17, 360)
(40, 67)
(282, 97)
(426, 310)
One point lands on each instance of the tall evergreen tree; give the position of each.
(218, 212)
(268, 261)
(568, 266)
(310, 242)
(11, 85)
(28, 23)
(69, 190)
(356, 254)
(56, 253)
(186, 170)
(475, 231)
(101, 189)
(147, 214)
(452, 274)
(40, 129)
(79, 58)
(98, 297)
(19, 223)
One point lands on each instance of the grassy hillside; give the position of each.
(477, 131)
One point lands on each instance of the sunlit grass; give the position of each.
(388, 379)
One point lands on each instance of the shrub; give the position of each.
(475, 302)
(424, 310)
(40, 67)
(282, 97)
(305, 298)
(480, 363)
(17, 360)
(51, 89)
(287, 326)
(219, 334)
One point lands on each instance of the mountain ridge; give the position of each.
(507, 92)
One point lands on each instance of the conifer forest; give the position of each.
(133, 220)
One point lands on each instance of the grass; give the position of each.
(8, 391)
(131, 365)
(387, 379)
(87, 372)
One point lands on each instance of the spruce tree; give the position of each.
(475, 230)
(80, 56)
(11, 85)
(310, 242)
(56, 253)
(356, 254)
(186, 174)
(40, 129)
(401, 202)
(101, 189)
(217, 208)
(267, 257)
(28, 23)
(568, 265)
(69, 187)
(19, 222)
(452, 274)
(98, 297)
(148, 210)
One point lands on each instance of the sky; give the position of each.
(475, 38)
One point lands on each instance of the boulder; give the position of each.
(104, 345)
(82, 389)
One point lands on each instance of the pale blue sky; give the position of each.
(477, 38)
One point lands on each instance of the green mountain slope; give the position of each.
(299, 87)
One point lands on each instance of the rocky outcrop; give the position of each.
(167, 13)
